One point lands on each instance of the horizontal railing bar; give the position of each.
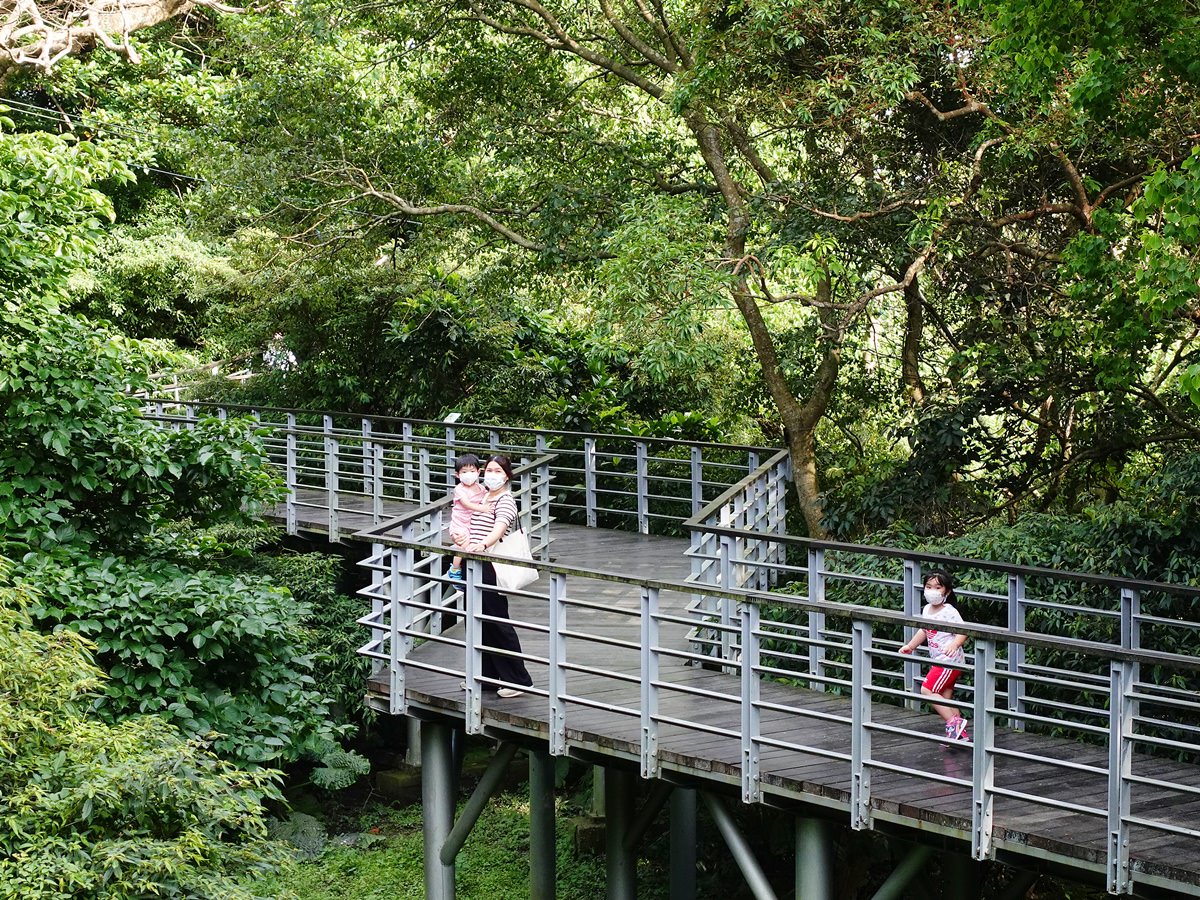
(465, 426)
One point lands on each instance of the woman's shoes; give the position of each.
(501, 692)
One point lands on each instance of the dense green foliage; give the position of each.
(95, 809)
(89, 495)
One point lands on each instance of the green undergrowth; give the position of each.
(384, 861)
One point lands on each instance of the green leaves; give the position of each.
(51, 211)
(116, 810)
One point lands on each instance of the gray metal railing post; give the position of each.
(1131, 633)
(378, 579)
(399, 622)
(406, 471)
(332, 467)
(371, 477)
(557, 658)
(289, 475)
(222, 413)
(912, 605)
(473, 640)
(589, 481)
(449, 438)
(377, 486)
(423, 471)
(762, 527)
(649, 688)
(726, 582)
(189, 415)
(1120, 769)
(860, 734)
(816, 620)
(643, 487)
(1016, 651)
(697, 461)
(494, 441)
(983, 772)
(737, 519)
(751, 718)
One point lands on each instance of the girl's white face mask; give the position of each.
(936, 596)
(468, 478)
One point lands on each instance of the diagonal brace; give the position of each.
(488, 785)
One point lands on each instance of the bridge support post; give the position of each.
(814, 873)
(437, 803)
(541, 826)
(619, 788)
(683, 844)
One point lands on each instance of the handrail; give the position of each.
(856, 612)
(515, 429)
(960, 562)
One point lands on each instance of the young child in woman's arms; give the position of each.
(468, 494)
(944, 646)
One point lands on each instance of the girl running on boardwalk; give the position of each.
(944, 646)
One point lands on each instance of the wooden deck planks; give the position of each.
(908, 793)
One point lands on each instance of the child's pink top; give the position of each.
(460, 516)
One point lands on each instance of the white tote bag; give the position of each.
(510, 577)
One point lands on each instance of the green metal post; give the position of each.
(437, 804)
(814, 874)
(683, 844)
(619, 789)
(541, 826)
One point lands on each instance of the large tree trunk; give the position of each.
(799, 419)
(914, 322)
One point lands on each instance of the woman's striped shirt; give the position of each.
(503, 508)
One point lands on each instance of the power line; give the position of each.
(41, 112)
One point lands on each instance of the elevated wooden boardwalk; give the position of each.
(920, 785)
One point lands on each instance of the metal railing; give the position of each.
(756, 508)
(1128, 614)
(1127, 713)
(330, 460)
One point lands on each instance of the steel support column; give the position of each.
(814, 872)
(620, 786)
(541, 826)
(437, 806)
(683, 844)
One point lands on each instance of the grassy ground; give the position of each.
(493, 864)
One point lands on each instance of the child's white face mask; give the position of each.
(468, 478)
(936, 596)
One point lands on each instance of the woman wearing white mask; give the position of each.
(944, 646)
(488, 526)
